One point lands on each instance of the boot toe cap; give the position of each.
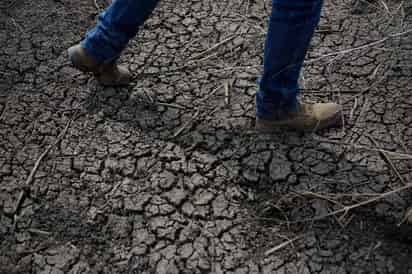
(327, 110)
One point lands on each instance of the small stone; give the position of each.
(92, 214)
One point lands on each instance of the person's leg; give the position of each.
(103, 44)
(291, 28)
(115, 27)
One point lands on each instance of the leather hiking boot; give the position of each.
(109, 74)
(307, 117)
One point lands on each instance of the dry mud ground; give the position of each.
(167, 175)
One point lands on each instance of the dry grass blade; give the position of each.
(203, 53)
(171, 105)
(282, 245)
(210, 94)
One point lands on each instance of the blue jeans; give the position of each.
(291, 27)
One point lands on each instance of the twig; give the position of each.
(224, 41)
(3, 112)
(400, 156)
(222, 69)
(9, 6)
(385, 6)
(170, 105)
(345, 210)
(320, 196)
(343, 195)
(38, 231)
(227, 86)
(19, 28)
(210, 94)
(388, 160)
(282, 245)
(188, 123)
(26, 187)
(355, 105)
(109, 196)
(368, 45)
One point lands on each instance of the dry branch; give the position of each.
(346, 209)
(26, 187)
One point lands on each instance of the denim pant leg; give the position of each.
(291, 28)
(115, 27)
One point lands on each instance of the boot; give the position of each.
(108, 74)
(306, 118)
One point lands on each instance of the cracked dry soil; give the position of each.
(167, 175)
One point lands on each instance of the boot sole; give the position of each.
(273, 126)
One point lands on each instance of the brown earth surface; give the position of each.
(168, 176)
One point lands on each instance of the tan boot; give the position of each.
(308, 117)
(109, 74)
